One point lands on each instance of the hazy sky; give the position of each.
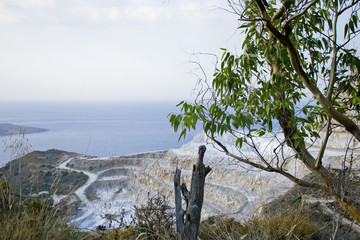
(107, 49)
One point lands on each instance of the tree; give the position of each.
(188, 221)
(297, 71)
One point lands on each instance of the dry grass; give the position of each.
(292, 225)
(32, 218)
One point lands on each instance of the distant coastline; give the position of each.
(98, 129)
(11, 129)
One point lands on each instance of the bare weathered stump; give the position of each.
(188, 222)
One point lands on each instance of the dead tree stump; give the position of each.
(188, 221)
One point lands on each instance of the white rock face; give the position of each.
(339, 140)
(231, 188)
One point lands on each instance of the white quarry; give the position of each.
(232, 188)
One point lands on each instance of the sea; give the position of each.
(101, 129)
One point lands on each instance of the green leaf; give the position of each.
(213, 129)
(182, 134)
(346, 30)
(351, 26)
(268, 108)
(239, 142)
(260, 133)
(296, 143)
(180, 103)
(207, 126)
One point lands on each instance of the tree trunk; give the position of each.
(188, 222)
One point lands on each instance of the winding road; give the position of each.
(92, 213)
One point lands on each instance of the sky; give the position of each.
(109, 50)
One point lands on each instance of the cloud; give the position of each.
(70, 12)
(89, 13)
(113, 14)
(145, 13)
(132, 10)
(191, 10)
(30, 3)
(8, 17)
(105, 45)
(97, 14)
(184, 10)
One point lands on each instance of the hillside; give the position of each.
(105, 190)
(38, 172)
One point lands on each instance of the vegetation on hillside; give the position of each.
(290, 217)
(37, 172)
(27, 217)
(302, 213)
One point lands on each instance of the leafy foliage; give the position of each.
(260, 87)
(258, 93)
(298, 72)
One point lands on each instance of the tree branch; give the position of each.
(323, 145)
(299, 14)
(334, 61)
(349, 125)
(270, 169)
(348, 7)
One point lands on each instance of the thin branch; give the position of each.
(323, 145)
(301, 182)
(271, 169)
(279, 13)
(347, 7)
(299, 14)
(259, 154)
(341, 47)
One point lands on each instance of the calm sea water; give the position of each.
(99, 129)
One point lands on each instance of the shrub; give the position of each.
(155, 220)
